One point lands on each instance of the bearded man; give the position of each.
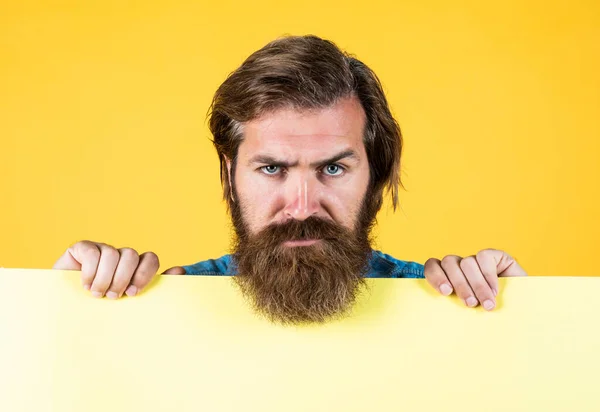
(308, 148)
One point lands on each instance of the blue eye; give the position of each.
(270, 169)
(333, 170)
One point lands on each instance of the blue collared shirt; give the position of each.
(381, 265)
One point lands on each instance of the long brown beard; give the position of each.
(302, 284)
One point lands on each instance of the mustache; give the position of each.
(310, 228)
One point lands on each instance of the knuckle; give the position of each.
(449, 260)
(90, 252)
(84, 245)
(128, 253)
(111, 253)
(484, 254)
(152, 259)
(467, 262)
(431, 263)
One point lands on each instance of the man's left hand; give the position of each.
(474, 278)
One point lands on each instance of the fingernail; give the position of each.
(131, 291)
(111, 295)
(471, 302)
(446, 289)
(87, 287)
(96, 294)
(488, 305)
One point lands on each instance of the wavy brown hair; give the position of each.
(306, 72)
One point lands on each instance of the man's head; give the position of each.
(307, 146)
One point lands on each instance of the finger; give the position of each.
(124, 272)
(144, 273)
(109, 259)
(436, 277)
(176, 270)
(67, 262)
(451, 265)
(478, 283)
(87, 255)
(486, 259)
(509, 267)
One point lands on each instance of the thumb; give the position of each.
(509, 267)
(175, 270)
(67, 262)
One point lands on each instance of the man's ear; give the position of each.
(228, 163)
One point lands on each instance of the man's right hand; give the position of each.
(110, 272)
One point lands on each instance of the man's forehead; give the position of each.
(327, 129)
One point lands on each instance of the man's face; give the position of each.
(301, 212)
(292, 165)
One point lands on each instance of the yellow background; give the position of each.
(103, 133)
(191, 344)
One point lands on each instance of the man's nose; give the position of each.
(301, 198)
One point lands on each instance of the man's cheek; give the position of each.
(254, 219)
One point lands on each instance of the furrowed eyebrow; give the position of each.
(347, 154)
(270, 160)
